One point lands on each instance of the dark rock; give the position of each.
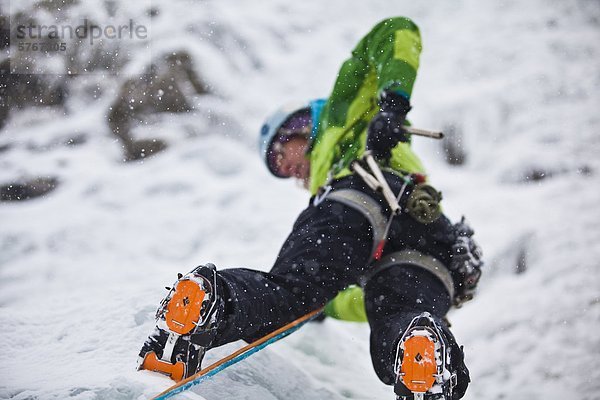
(76, 140)
(53, 5)
(4, 31)
(146, 148)
(585, 170)
(153, 12)
(521, 264)
(536, 175)
(165, 88)
(23, 90)
(20, 191)
(453, 146)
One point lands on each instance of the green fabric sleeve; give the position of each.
(393, 49)
(386, 58)
(348, 305)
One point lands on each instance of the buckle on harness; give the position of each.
(377, 182)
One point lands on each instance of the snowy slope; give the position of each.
(83, 269)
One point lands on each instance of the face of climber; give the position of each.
(291, 159)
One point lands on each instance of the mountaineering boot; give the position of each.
(185, 325)
(424, 366)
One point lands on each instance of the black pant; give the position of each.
(329, 249)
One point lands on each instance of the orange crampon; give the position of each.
(188, 310)
(419, 367)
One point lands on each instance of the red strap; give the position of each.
(419, 178)
(379, 250)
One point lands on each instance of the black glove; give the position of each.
(466, 262)
(385, 129)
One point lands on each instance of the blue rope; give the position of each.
(229, 363)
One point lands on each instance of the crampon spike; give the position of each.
(419, 366)
(174, 371)
(183, 310)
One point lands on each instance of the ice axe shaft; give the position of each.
(424, 132)
(237, 356)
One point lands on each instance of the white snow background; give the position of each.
(83, 269)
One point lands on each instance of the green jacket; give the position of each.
(386, 58)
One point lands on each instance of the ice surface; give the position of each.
(83, 269)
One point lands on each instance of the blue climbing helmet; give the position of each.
(291, 120)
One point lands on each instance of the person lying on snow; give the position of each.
(394, 260)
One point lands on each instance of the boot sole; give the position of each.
(184, 308)
(183, 313)
(419, 366)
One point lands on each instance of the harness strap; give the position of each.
(365, 205)
(371, 210)
(415, 258)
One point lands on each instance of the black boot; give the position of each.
(186, 323)
(429, 364)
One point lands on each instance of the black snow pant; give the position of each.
(329, 249)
